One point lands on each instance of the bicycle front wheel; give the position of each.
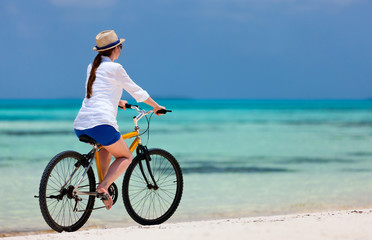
(145, 203)
(62, 210)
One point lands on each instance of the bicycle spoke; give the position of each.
(149, 203)
(59, 182)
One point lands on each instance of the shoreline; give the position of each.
(350, 224)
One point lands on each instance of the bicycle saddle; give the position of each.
(87, 139)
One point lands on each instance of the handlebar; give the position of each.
(163, 111)
(135, 107)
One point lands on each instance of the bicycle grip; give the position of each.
(163, 111)
(127, 105)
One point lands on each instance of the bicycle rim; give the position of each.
(150, 206)
(59, 212)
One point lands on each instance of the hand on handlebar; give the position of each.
(123, 104)
(157, 110)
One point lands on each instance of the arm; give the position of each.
(149, 102)
(137, 92)
(153, 104)
(131, 87)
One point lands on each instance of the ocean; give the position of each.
(240, 158)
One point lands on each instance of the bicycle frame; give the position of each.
(132, 147)
(90, 158)
(137, 141)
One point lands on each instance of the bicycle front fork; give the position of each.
(143, 153)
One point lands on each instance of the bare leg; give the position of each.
(105, 158)
(123, 158)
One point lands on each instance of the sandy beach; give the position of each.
(348, 224)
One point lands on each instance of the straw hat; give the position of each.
(106, 40)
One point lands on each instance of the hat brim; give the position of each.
(105, 49)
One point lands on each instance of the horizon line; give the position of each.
(192, 98)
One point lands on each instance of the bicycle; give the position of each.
(151, 189)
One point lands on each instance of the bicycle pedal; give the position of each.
(102, 196)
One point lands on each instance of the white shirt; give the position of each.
(102, 107)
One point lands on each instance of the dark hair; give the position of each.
(97, 61)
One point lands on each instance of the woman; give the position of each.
(97, 116)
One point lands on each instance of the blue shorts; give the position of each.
(103, 134)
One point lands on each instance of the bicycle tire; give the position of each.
(163, 201)
(58, 213)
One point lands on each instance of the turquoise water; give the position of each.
(240, 158)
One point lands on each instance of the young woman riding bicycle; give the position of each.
(97, 116)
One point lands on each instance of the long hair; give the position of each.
(97, 61)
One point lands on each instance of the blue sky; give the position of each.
(270, 49)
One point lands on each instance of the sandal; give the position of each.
(105, 197)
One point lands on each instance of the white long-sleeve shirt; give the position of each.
(102, 107)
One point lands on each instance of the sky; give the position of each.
(208, 49)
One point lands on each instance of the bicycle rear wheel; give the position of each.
(56, 200)
(146, 205)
